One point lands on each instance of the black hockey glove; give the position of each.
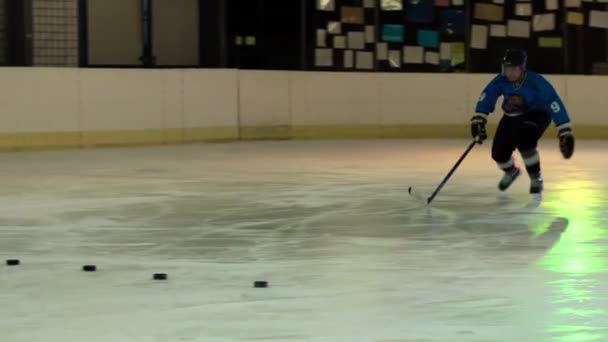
(566, 142)
(478, 127)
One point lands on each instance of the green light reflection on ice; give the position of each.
(577, 257)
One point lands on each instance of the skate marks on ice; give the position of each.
(504, 223)
(220, 217)
(418, 198)
(512, 235)
(514, 205)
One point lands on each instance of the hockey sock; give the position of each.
(507, 166)
(532, 161)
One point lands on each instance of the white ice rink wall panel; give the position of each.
(422, 105)
(121, 106)
(172, 105)
(328, 104)
(587, 102)
(64, 107)
(36, 104)
(264, 102)
(211, 105)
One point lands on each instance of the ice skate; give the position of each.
(508, 178)
(536, 184)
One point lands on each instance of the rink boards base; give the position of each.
(90, 139)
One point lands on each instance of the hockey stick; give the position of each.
(447, 177)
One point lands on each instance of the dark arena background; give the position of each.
(303, 170)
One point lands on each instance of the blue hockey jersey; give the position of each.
(535, 93)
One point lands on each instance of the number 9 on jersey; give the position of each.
(555, 107)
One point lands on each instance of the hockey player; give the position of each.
(530, 104)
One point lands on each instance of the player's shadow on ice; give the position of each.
(553, 233)
(538, 246)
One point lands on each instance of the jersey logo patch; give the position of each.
(514, 104)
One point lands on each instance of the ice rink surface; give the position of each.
(349, 255)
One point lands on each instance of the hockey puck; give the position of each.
(159, 276)
(89, 268)
(12, 262)
(260, 284)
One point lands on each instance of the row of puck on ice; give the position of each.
(156, 276)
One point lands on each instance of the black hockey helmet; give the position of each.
(515, 57)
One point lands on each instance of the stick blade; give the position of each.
(417, 196)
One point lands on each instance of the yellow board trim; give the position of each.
(210, 134)
(44, 140)
(122, 138)
(336, 132)
(173, 136)
(425, 131)
(261, 133)
(56, 140)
